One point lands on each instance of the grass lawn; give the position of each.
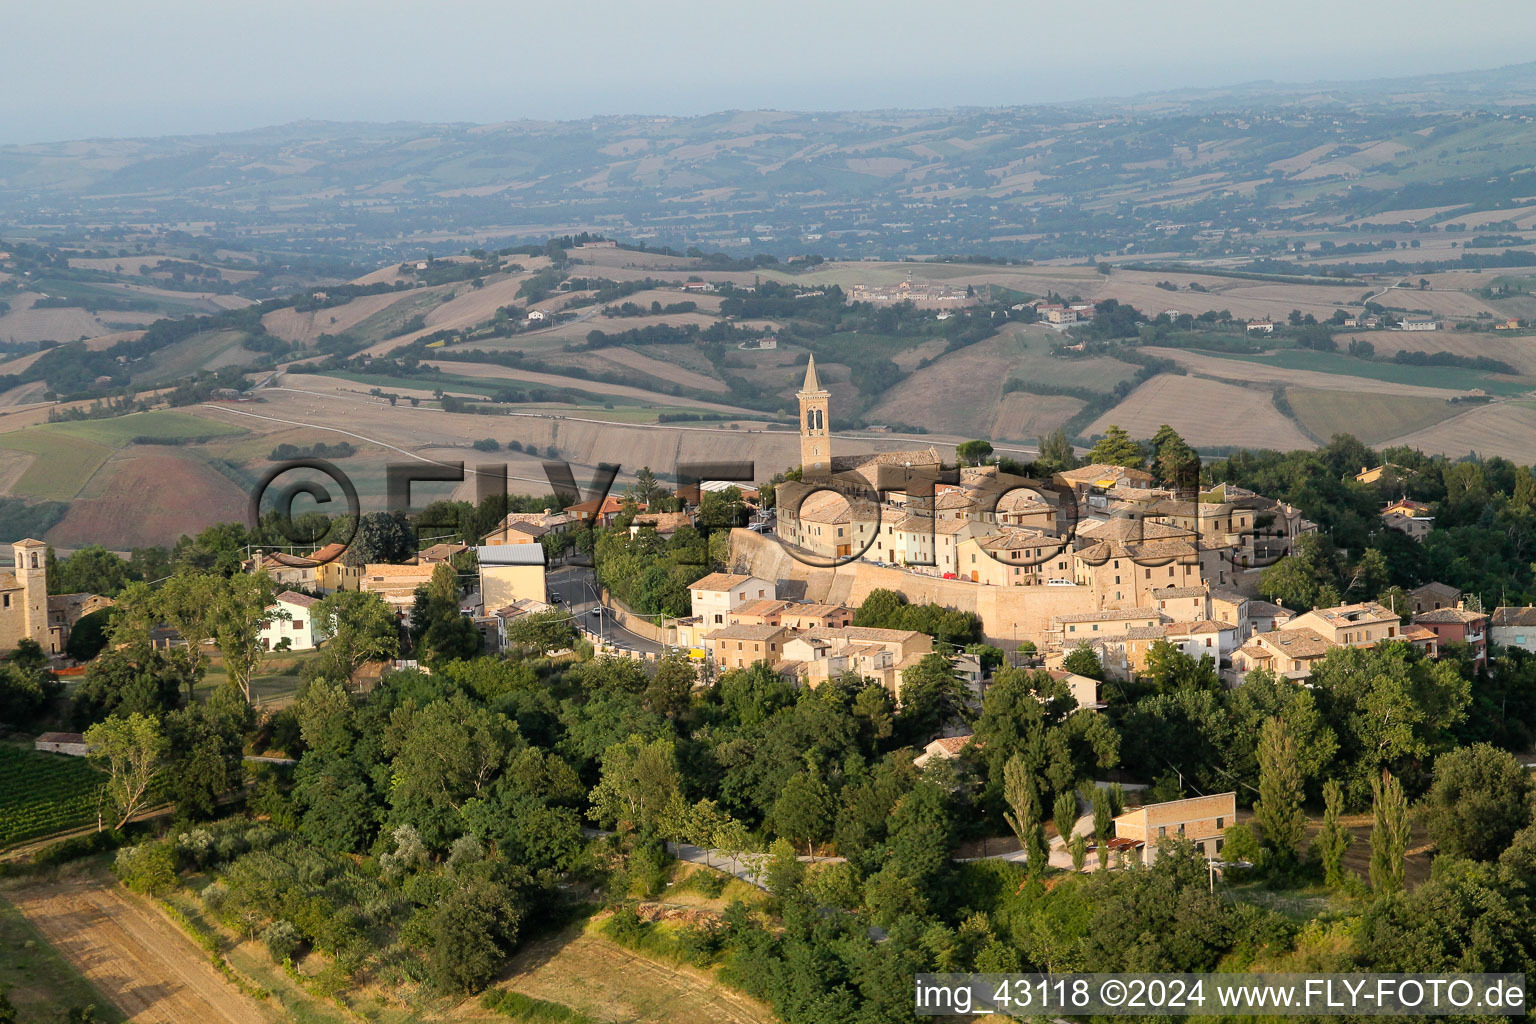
(63, 463)
(1371, 417)
(1452, 377)
(276, 679)
(39, 981)
(161, 424)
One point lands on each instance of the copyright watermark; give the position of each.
(1188, 995)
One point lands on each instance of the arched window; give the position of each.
(34, 559)
(810, 419)
(821, 422)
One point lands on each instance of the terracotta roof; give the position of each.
(664, 522)
(1449, 615)
(1099, 471)
(952, 744)
(1110, 615)
(762, 606)
(293, 597)
(1431, 589)
(1170, 593)
(1350, 614)
(1297, 643)
(862, 633)
(61, 737)
(1509, 615)
(1200, 626)
(719, 581)
(745, 631)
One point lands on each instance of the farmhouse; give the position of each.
(290, 625)
(71, 743)
(1418, 323)
(1458, 625)
(1514, 627)
(1431, 596)
(1200, 819)
(1261, 326)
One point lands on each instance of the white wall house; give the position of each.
(293, 622)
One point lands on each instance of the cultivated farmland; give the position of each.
(44, 793)
(1207, 412)
(1372, 418)
(132, 954)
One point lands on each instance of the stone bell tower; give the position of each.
(815, 441)
(31, 618)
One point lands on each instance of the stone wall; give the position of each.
(1007, 613)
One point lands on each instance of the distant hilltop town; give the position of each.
(928, 294)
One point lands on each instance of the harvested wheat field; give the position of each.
(303, 328)
(1264, 373)
(149, 495)
(629, 359)
(1519, 352)
(1205, 412)
(1507, 429)
(595, 976)
(1372, 418)
(133, 955)
(1024, 417)
(490, 371)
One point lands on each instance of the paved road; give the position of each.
(577, 588)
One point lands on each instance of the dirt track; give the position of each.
(132, 954)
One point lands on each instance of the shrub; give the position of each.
(194, 849)
(147, 868)
(488, 444)
(282, 940)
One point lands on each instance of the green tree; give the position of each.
(1480, 798)
(380, 537)
(973, 453)
(1334, 839)
(357, 627)
(542, 632)
(242, 606)
(1085, 662)
(1079, 850)
(1116, 448)
(645, 489)
(132, 752)
(188, 602)
(1278, 809)
(1056, 454)
(1103, 824)
(466, 932)
(1302, 579)
(932, 695)
(1391, 708)
(639, 778)
(1023, 814)
(1174, 462)
(805, 810)
(204, 742)
(1389, 834)
(1064, 814)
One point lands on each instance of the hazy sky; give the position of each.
(84, 68)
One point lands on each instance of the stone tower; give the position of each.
(815, 441)
(31, 619)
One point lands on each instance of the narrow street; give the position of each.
(576, 588)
